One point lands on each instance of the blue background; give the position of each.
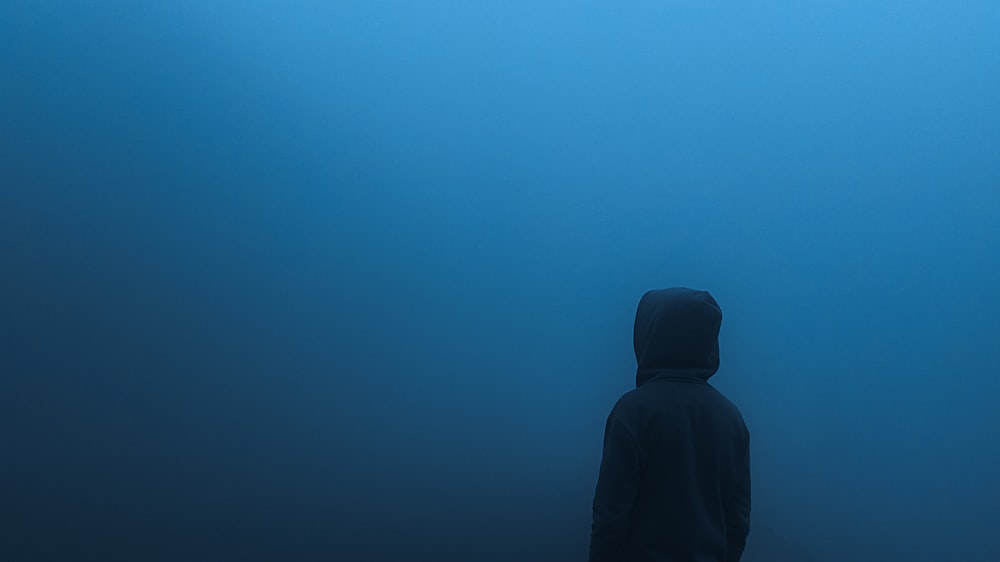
(355, 280)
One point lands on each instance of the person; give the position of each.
(674, 480)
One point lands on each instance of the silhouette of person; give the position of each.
(674, 482)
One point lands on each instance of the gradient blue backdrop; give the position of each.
(355, 280)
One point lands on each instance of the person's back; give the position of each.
(674, 483)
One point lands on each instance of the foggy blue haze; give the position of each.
(355, 280)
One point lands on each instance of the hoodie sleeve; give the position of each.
(738, 510)
(617, 487)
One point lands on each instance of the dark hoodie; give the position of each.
(674, 484)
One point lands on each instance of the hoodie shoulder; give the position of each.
(629, 406)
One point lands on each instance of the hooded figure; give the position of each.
(674, 483)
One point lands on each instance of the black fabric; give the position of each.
(674, 482)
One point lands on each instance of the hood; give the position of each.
(677, 334)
